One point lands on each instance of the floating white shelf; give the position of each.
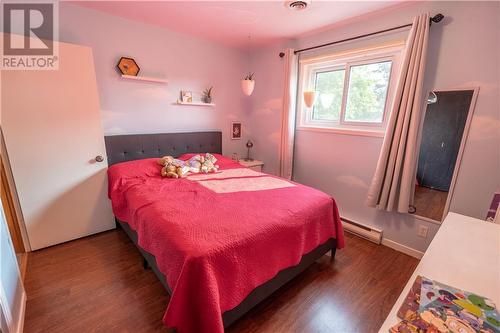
(195, 103)
(144, 78)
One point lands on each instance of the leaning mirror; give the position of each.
(443, 137)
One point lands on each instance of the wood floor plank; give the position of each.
(97, 284)
(430, 203)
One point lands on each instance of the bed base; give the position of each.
(258, 294)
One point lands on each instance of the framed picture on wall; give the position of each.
(236, 130)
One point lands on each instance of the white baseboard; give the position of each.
(402, 248)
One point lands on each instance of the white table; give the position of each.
(255, 165)
(465, 253)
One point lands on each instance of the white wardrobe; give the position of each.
(52, 129)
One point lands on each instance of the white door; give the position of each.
(52, 128)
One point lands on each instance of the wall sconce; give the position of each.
(309, 98)
(248, 84)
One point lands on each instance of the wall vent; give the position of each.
(363, 231)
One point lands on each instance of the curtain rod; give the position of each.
(436, 19)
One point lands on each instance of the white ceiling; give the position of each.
(231, 22)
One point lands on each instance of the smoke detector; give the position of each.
(297, 5)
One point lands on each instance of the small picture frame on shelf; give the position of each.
(186, 96)
(236, 130)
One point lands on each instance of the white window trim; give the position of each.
(392, 59)
(345, 60)
(311, 79)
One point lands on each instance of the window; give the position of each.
(329, 87)
(352, 92)
(367, 92)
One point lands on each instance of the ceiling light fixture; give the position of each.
(298, 5)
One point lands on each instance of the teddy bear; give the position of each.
(172, 168)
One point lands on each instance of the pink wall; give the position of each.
(187, 62)
(266, 105)
(338, 164)
(463, 51)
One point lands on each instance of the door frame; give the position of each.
(10, 211)
(11, 193)
(12, 325)
(463, 142)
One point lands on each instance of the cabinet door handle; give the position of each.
(99, 158)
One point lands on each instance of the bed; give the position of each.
(219, 243)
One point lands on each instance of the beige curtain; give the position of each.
(394, 180)
(288, 114)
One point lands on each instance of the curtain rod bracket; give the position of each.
(434, 19)
(437, 18)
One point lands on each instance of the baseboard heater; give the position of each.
(361, 230)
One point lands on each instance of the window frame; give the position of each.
(312, 82)
(346, 93)
(308, 68)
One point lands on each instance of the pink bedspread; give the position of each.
(218, 237)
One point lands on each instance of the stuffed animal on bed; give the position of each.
(208, 164)
(195, 163)
(205, 164)
(172, 168)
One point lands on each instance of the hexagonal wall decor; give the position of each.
(128, 66)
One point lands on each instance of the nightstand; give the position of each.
(254, 165)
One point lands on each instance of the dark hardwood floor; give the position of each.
(97, 284)
(430, 203)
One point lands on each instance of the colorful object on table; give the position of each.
(128, 66)
(483, 303)
(464, 304)
(493, 211)
(434, 307)
(411, 304)
(435, 291)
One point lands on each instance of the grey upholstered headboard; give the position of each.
(122, 148)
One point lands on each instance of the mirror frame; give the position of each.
(463, 142)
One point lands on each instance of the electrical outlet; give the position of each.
(422, 230)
